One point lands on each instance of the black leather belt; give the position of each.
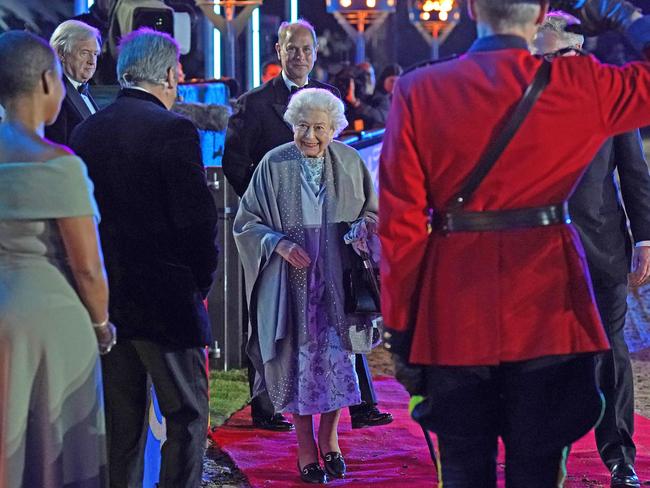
(495, 220)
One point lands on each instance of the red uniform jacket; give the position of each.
(490, 297)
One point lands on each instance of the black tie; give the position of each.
(83, 89)
(296, 88)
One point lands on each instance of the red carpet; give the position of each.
(390, 456)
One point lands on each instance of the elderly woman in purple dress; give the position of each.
(288, 232)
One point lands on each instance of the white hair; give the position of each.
(68, 33)
(317, 99)
(557, 22)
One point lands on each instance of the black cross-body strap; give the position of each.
(498, 145)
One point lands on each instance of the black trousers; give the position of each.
(262, 407)
(616, 380)
(537, 407)
(181, 384)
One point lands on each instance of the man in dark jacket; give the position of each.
(158, 232)
(77, 44)
(601, 221)
(256, 127)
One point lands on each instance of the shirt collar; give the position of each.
(135, 87)
(498, 42)
(74, 83)
(290, 83)
(141, 94)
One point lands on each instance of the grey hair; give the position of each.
(317, 99)
(502, 14)
(70, 32)
(299, 24)
(146, 55)
(557, 22)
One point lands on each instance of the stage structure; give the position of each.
(434, 19)
(82, 6)
(230, 24)
(360, 19)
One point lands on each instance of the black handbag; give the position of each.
(361, 285)
(361, 302)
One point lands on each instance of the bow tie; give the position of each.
(296, 89)
(83, 89)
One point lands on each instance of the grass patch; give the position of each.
(228, 393)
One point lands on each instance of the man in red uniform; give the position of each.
(504, 319)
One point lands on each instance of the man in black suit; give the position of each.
(256, 127)
(158, 232)
(77, 44)
(601, 221)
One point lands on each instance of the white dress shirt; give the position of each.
(86, 100)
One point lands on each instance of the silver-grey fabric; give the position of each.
(52, 430)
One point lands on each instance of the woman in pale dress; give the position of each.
(288, 233)
(53, 290)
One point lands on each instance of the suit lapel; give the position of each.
(281, 97)
(92, 102)
(75, 99)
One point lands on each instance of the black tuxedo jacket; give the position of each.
(73, 111)
(256, 127)
(597, 211)
(158, 219)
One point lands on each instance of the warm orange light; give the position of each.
(438, 6)
(425, 15)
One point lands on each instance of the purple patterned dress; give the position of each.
(326, 376)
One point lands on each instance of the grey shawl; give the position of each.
(271, 210)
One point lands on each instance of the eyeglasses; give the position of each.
(319, 129)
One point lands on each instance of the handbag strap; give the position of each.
(498, 145)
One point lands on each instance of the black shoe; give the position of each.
(276, 423)
(370, 417)
(623, 476)
(312, 473)
(334, 464)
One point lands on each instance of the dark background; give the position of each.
(396, 41)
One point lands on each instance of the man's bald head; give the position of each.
(24, 57)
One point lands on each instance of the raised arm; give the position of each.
(623, 93)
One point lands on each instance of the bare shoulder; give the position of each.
(50, 150)
(59, 150)
(18, 146)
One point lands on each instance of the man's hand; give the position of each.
(292, 253)
(640, 266)
(413, 378)
(598, 16)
